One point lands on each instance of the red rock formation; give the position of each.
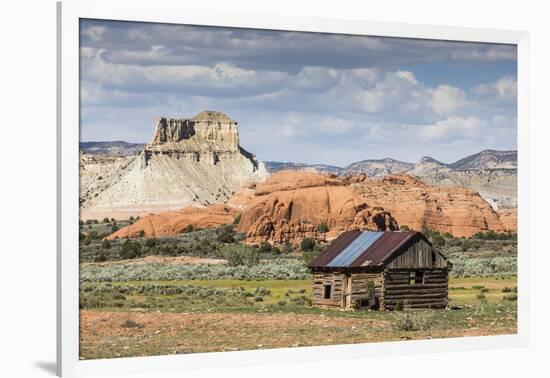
(462, 212)
(291, 205)
(175, 222)
(509, 219)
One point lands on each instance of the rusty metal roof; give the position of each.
(355, 248)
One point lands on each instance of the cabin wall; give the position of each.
(360, 285)
(320, 279)
(398, 291)
(418, 255)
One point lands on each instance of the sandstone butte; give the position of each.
(195, 161)
(291, 205)
(462, 212)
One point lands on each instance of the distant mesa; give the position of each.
(490, 172)
(189, 161)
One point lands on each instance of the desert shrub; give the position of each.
(287, 247)
(87, 241)
(281, 269)
(151, 242)
(322, 227)
(226, 237)
(130, 249)
(262, 292)
(478, 287)
(100, 258)
(411, 321)
(265, 247)
(404, 227)
(448, 235)
(237, 220)
(281, 303)
(307, 244)
(130, 324)
(114, 228)
(242, 255)
(438, 240)
(399, 306)
(309, 256)
(484, 290)
(105, 220)
(480, 296)
(506, 289)
(92, 234)
(465, 266)
(300, 301)
(189, 228)
(510, 297)
(106, 244)
(258, 299)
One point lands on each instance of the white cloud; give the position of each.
(408, 76)
(504, 88)
(447, 99)
(95, 33)
(316, 79)
(453, 128)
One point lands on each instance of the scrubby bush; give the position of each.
(411, 321)
(506, 289)
(322, 227)
(130, 249)
(189, 228)
(237, 220)
(114, 228)
(404, 227)
(438, 240)
(151, 242)
(100, 258)
(309, 256)
(106, 244)
(278, 270)
(287, 247)
(241, 255)
(510, 297)
(307, 244)
(265, 247)
(465, 266)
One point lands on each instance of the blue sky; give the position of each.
(304, 97)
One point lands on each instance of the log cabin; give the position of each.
(380, 270)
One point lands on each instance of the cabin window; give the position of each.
(434, 258)
(416, 277)
(327, 292)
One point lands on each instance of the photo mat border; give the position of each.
(166, 11)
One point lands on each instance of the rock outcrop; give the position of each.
(195, 161)
(293, 205)
(171, 223)
(462, 212)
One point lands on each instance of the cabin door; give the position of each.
(346, 297)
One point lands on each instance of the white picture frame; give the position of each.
(165, 11)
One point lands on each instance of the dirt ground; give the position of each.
(124, 334)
